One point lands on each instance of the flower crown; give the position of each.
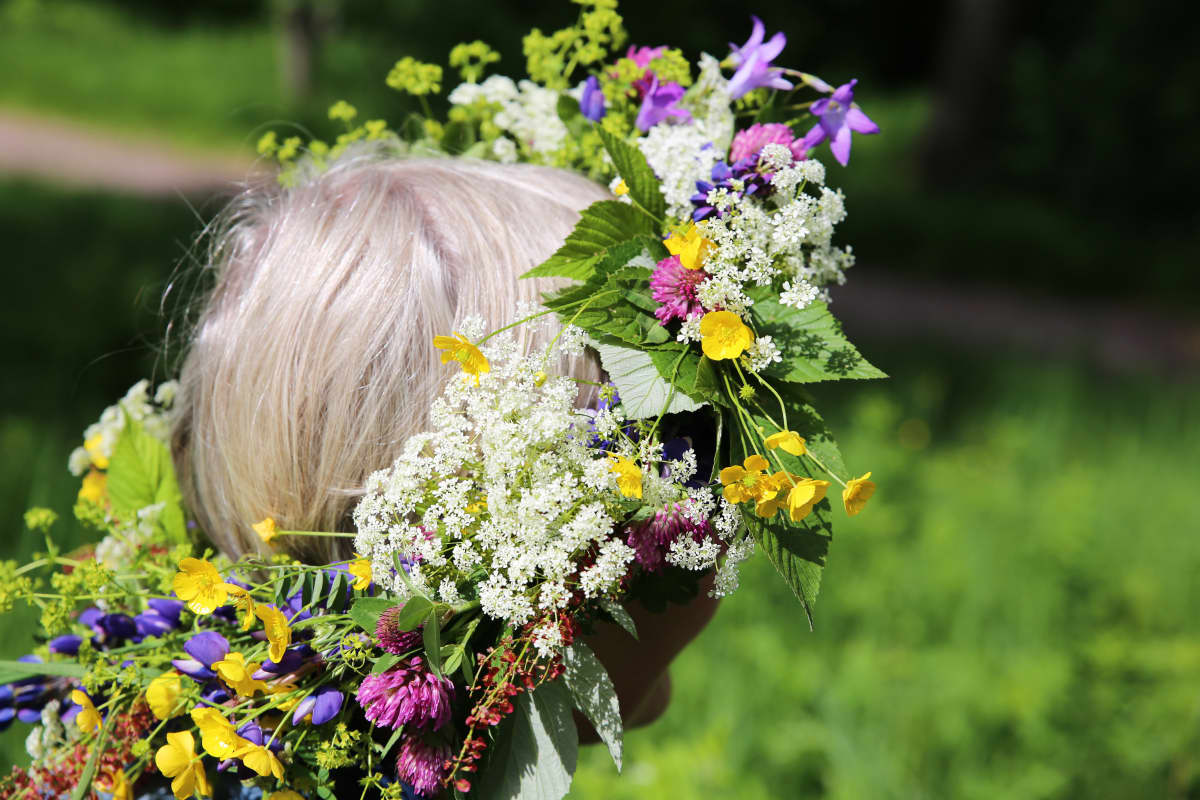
(516, 524)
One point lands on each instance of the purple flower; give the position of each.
(293, 659)
(406, 695)
(67, 644)
(642, 56)
(652, 539)
(205, 650)
(323, 705)
(115, 628)
(837, 116)
(675, 287)
(393, 640)
(661, 103)
(591, 102)
(167, 609)
(422, 765)
(749, 142)
(753, 62)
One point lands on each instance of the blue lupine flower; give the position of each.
(323, 704)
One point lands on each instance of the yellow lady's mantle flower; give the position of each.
(238, 675)
(804, 495)
(279, 635)
(177, 759)
(162, 695)
(724, 335)
(788, 441)
(360, 568)
(200, 586)
(95, 485)
(266, 530)
(692, 248)
(88, 719)
(629, 476)
(856, 494)
(466, 354)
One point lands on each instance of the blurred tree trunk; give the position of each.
(300, 24)
(971, 68)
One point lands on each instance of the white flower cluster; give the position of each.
(527, 111)
(500, 500)
(680, 155)
(100, 437)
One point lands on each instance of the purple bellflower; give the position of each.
(591, 102)
(661, 103)
(753, 62)
(837, 116)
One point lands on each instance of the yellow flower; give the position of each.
(118, 786)
(724, 335)
(217, 734)
(747, 482)
(177, 760)
(692, 248)
(95, 485)
(856, 494)
(789, 441)
(266, 530)
(238, 675)
(95, 447)
(244, 603)
(804, 495)
(263, 761)
(200, 586)
(88, 719)
(629, 476)
(361, 569)
(162, 695)
(278, 633)
(621, 189)
(466, 354)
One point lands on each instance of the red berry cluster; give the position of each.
(505, 671)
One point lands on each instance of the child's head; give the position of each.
(312, 361)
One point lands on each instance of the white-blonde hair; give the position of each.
(312, 362)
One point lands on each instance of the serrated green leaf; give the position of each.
(140, 474)
(602, 226)
(811, 342)
(366, 611)
(533, 756)
(592, 690)
(635, 170)
(619, 615)
(644, 392)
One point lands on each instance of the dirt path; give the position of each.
(873, 303)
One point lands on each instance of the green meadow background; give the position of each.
(1014, 615)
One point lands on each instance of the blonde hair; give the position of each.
(312, 362)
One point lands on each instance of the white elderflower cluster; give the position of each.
(763, 353)
(100, 437)
(525, 110)
(503, 495)
(680, 155)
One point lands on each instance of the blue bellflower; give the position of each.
(753, 62)
(836, 117)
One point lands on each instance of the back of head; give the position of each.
(312, 360)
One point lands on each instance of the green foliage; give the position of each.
(593, 694)
(367, 610)
(141, 474)
(643, 389)
(605, 228)
(536, 759)
(812, 343)
(631, 165)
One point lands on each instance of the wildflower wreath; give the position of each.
(445, 659)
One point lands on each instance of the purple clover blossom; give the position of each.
(748, 143)
(391, 638)
(675, 287)
(753, 62)
(408, 695)
(836, 117)
(422, 765)
(661, 103)
(591, 102)
(642, 56)
(651, 540)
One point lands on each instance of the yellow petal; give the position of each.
(788, 441)
(757, 463)
(266, 530)
(162, 695)
(856, 494)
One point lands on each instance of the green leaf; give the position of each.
(339, 593)
(366, 610)
(594, 695)
(811, 342)
(384, 663)
(431, 636)
(414, 612)
(619, 615)
(452, 655)
(568, 108)
(633, 168)
(15, 670)
(602, 227)
(694, 374)
(457, 137)
(643, 390)
(534, 754)
(140, 474)
(391, 742)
